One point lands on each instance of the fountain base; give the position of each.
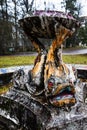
(19, 110)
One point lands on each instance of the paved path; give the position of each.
(65, 52)
(75, 52)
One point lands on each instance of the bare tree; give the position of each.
(5, 27)
(15, 22)
(26, 6)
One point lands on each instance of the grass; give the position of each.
(75, 59)
(7, 61)
(5, 88)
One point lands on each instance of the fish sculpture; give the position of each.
(50, 76)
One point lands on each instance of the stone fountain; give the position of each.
(49, 96)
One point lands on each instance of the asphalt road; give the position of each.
(75, 52)
(65, 52)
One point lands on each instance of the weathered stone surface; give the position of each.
(22, 111)
(49, 97)
(49, 23)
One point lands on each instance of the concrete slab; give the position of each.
(28, 67)
(12, 69)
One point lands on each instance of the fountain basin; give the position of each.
(45, 24)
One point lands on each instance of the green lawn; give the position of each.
(75, 59)
(5, 88)
(7, 61)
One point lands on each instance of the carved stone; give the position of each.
(49, 97)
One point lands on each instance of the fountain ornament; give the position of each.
(50, 95)
(50, 76)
